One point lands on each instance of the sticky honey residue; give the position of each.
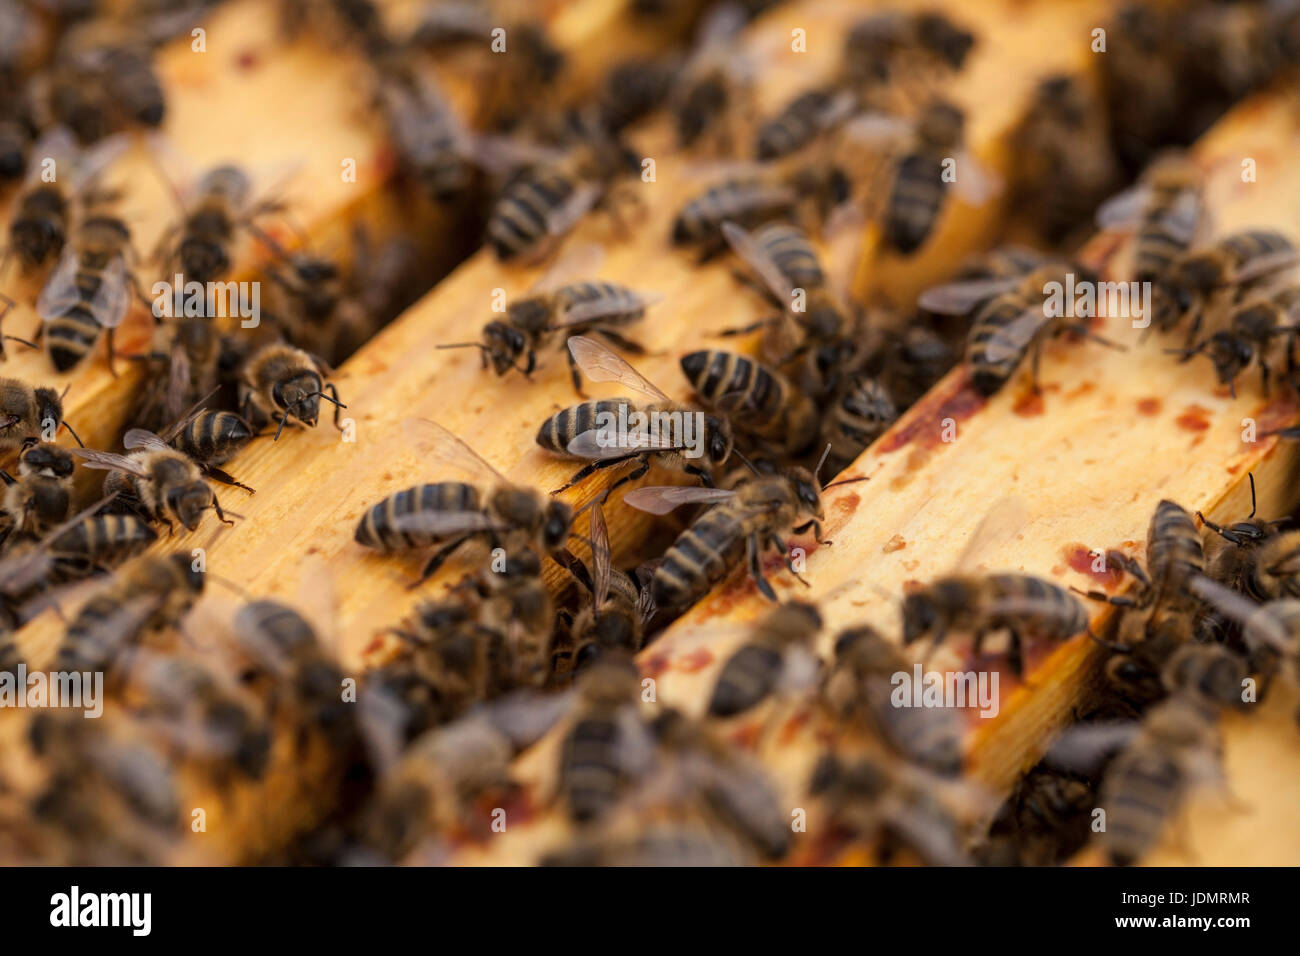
(847, 503)
(1081, 559)
(924, 426)
(896, 543)
(1029, 404)
(1149, 406)
(696, 660)
(1194, 418)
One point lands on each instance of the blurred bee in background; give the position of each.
(1044, 822)
(860, 411)
(17, 134)
(896, 59)
(555, 308)
(189, 360)
(450, 513)
(1255, 556)
(614, 615)
(280, 383)
(1197, 281)
(41, 496)
(754, 397)
(656, 846)
(577, 431)
(860, 685)
(777, 654)
(712, 95)
(1165, 211)
(1262, 325)
(802, 120)
(1066, 162)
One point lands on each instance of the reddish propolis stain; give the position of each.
(791, 727)
(847, 503)
(247, 59)
(746, 737)
(1149, 406)
(696, 660)
(1082, 389)
(1279, 413)
(958, 401)
(1194, 419)
(1029, 404)
(1081, 558)
(896, 543)
(654, 665)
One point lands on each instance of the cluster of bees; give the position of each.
(423, 760)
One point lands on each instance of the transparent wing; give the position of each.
(568, 213)
(1123, 210)
(577, 261)
(1262, 624)
(877, 129)
(178, 380)
(109, 461)
(661, 499)
(1085, 748)
(601, 560)
(1265, 265)
(1006, 518)
(60, 293)
(445, 449)
(143, 438)
(1184, 217)
(92, 163)
(596, 445)
(958, 298)
(764, 266)
(582, 312)
(1013, 338)
(601, 364)
(112, 299)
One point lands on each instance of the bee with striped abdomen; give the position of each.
(280, 383)
(861, 410)
(450, 513)
(777, 653)
(1165, 211)
(41, 496)
(1261, 326)
(755, 398)
(208, 438)
(580, 430)
(1255, 556)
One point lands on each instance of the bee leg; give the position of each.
(1118, 600)
(112, 367)
(338, 406)
(638, 472)
(573, 372)
(706, 479)
(587, 470)
(216, 474)
(743, 329)
(1015, 654)
(626, 344)
(816, 530)
(221, 515)
(785, 556)
(756, 569)
(435, 562)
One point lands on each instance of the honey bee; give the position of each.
(1256, 324)
(41, 496)
(608, 746)
(1210, 674)
(750, 199)
(222, 203)
(42, 217)
(861, 410)
(102, 55)
(1165, 211)
(715, 83)
(541, 204)
(16, 135)
(751, 518)
(777, 654)
(1193, 280)
(1063, 148)
(29, 414)
(1013, 321)
(801, 121)
(451, 513)
(860, 686)
(424, 129)
(97, 542)
(208, 438)
(151, 595)
(517, 607)
(157, 483)
(656, 846)
(185, 365)
(1018, 603)
(577, 431)
(88, 292)
(280, 383)
(911, 51)
(1255, 556)
(569, 310)
(754, 397)
(613, 619)
(1044, 822)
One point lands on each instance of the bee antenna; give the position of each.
(227, 583)
(463, 345)
(748, 464)
(821, 461)
(846, 481)
(73, 432)
(283, 418)
(327, 398)
(1251, 476)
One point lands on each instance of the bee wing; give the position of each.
(443, 448)
(582, 312)
(1084, 748)
(877, 129)
(596, 445)
(1260, 624)
(60, 293)
(109, 461)
(975, 183)
(601, 560)
(601, 364)
(143, 438)
(958, 298)
(801, 670)
(445, 522)
(524, 716)
(764, 266)
(93, 162)
(502, 155)
(178, 380)
(1014, 337)
(567, 215)
(579, 260)
(661, 499)
(112, 299)
(1005, 519)
(1264, 265)
(1122, 211)
(113, 629)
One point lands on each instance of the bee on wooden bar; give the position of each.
(1165, 211)
(981, 604)
(580, 430)
(1255, 556)
(187, 362)
(280, 383)
(153, 594)
(750, 519)
(1198, 278)
(861, 410)
(714, 86)
(801, 121)
(29, 414)
(755, 398)
(1260, 321)
(860, 685)
(911, 51)
(612, 618)
(451, 513)
(41, 496)
(776, 654)
(205, 437)
(565, 311)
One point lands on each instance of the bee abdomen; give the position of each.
(566, 425)
(71, 336)
(381, 527)
(1174, 550)
(590, 768)
(914, 202)
(699, 557)
(747, 203)
(1142, 792)
(213, 437)
(1048, 610)
(519, 219)
(746, 679)
(626, 304)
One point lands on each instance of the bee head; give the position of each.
(1230, 354)
(919, 616)
(807, 492)
(720, 440)
(505, 344)
(299, 396)
(50, 407)
(557, 523)
(46, 459)
(37, 238)
(189, 501)
(1196, 273)
(942, 124)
